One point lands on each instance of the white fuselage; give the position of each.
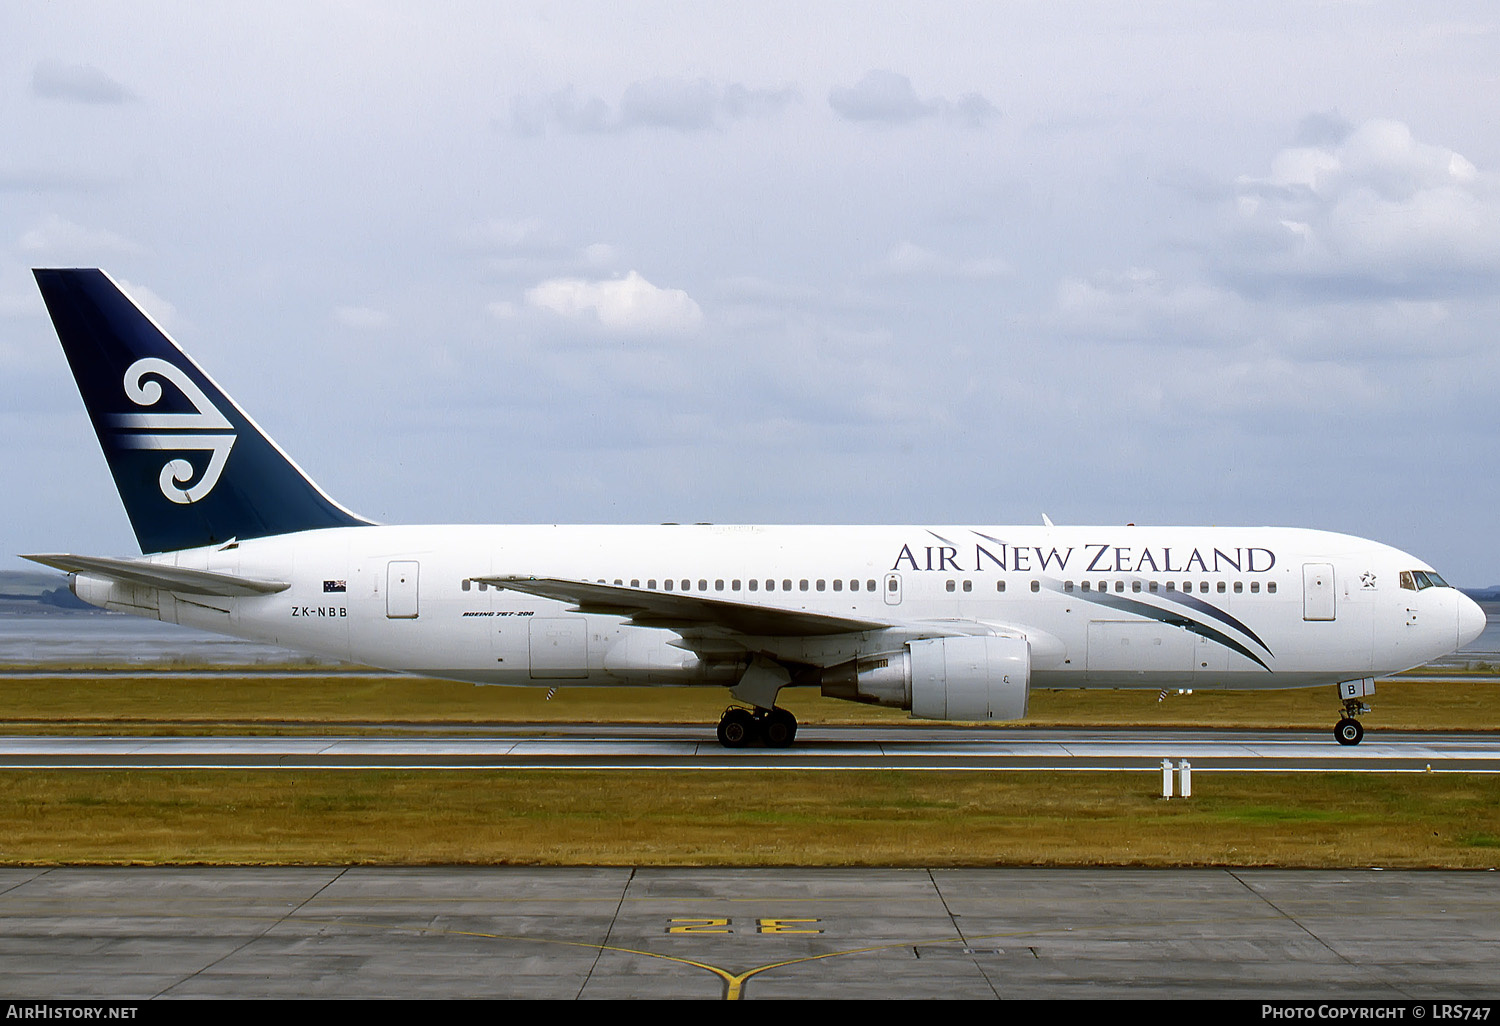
(1099, 606)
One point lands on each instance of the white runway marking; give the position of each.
(825, 748)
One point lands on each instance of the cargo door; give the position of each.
(559, 648)
(401, 589)
(1317, 591)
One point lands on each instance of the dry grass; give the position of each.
(119, 702)
(715, 818)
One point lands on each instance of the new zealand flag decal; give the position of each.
(329, 586)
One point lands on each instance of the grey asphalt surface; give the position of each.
(819, 748)
(562, 933)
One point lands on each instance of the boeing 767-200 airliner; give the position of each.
(957, 622)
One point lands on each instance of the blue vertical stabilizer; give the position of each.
(191, 467)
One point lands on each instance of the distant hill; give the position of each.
(1490, 594)
(38, 591)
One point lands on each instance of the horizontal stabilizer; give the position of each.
(157, 575)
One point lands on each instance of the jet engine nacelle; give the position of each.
(967, 678)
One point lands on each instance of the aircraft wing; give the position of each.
(686, 614)
(157, 575)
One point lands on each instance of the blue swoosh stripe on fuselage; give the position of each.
(1203, 630)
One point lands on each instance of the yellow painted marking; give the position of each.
(733, 982)
(699, 926)
(785, 925)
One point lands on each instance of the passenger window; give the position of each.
(734, 585)
(1036, 585)
(968, 586)
(719, 586)
(819, 585)
(754, 584)
(802, 585)
(1171, 585)
(950, 586)
(651, 584)
(999, 585)
(466, 584)
(702, 585)
(1271, 587)
(667, 584)
(1067, 585)
(869, 586)
(635, 582)
(483, 586)
(1255, 587)
(838, 585)
(1135, 586)
(1239, 587)
(786, 585)
(1154, 587)
(1120, 586)
(1084, 586)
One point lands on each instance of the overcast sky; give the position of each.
(863, 263)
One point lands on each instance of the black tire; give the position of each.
(1348, 731)
(737, 729)
(780, 728)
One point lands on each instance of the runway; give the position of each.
(669, 747)
(1278, 936)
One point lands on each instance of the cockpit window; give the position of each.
(1417, 580)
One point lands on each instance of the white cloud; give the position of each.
(498, 233)
(629, 305)
(79, 83)
(600, 254)
(1140, 304)
(57, 235)
(1263, 383)
(889, 98)
(19, 306)
(1374, 212)
(691, 105)
(907, 259)
(363, 318)
(682, 104)
(160, 311)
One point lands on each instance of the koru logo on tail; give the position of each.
(205, 430)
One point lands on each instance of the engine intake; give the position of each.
(967, 678)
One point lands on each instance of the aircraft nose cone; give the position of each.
(1471, 620)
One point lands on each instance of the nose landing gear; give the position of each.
(1349, 731)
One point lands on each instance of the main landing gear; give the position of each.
(740, 728)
